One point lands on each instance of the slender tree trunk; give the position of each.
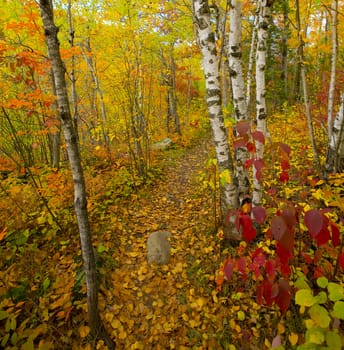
(98, 91)
(210, 60)
(285, 37)
(335, 153)
(80, 202)
(238, 91)
(57, 134)
(264, 19)
(72, 73)
(334, 17)
(305, 89)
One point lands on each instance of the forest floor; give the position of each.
(150, 307)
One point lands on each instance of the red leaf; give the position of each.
(228, 270)
(259, 214)
(259, 164)
(284, 256)
(323, 236)
(284, 177)
(283, 297)
(307, 257)
(287, 241)
(314, 221)
(278, 227)
(335, 234)
(259, 293)
(289, 215)
(285, 165)
(250, 147)
(243, 127)
(341, 260)
(239, 142)
(248, 231)
(258, 136)
(248, 163)
(267, 292)
(270, 269)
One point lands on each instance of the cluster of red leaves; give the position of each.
(271, 272)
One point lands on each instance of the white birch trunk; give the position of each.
(210, 60)
(250, 63)
(264, 17)
(334, 16)
(238, 90)
(335, 155)
(80, 202)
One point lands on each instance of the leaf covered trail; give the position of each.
(169, 306)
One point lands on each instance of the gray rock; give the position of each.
(158, 247)
(163, 144)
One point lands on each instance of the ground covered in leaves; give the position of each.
(174, 306)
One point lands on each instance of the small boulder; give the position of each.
(163, 144)
(158, 247)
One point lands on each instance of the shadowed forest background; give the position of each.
(219, 123)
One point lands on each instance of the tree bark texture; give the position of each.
(335, 153)
(80, 202)
(264, 18)
(238, 90)
(334, 17)
(210, 61)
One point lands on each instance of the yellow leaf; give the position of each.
(185, 317)
(293, 338)
(122, 334)
(115, 324)
(137, 346)
(84, 331)
(280, 328)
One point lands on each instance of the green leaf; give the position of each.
(321, 298)
(338, 310)
(322, 282)
(3, 315)
(225, 177)
(320, 316)
(315, 335)
(304, 297)
(241, 315)
(5, 340)
(336, 291)
(46, 284)
(333, 340)
(101, 248)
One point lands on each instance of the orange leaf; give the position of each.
(3, 233)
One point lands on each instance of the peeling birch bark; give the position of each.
(210, 61)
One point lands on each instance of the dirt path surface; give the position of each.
(168, 306)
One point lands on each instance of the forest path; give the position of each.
(165, 307)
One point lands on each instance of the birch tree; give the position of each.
(264, 18)
(238, 90)
(210, 61)
(80, 202)
(335, 153)
(334, 127)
